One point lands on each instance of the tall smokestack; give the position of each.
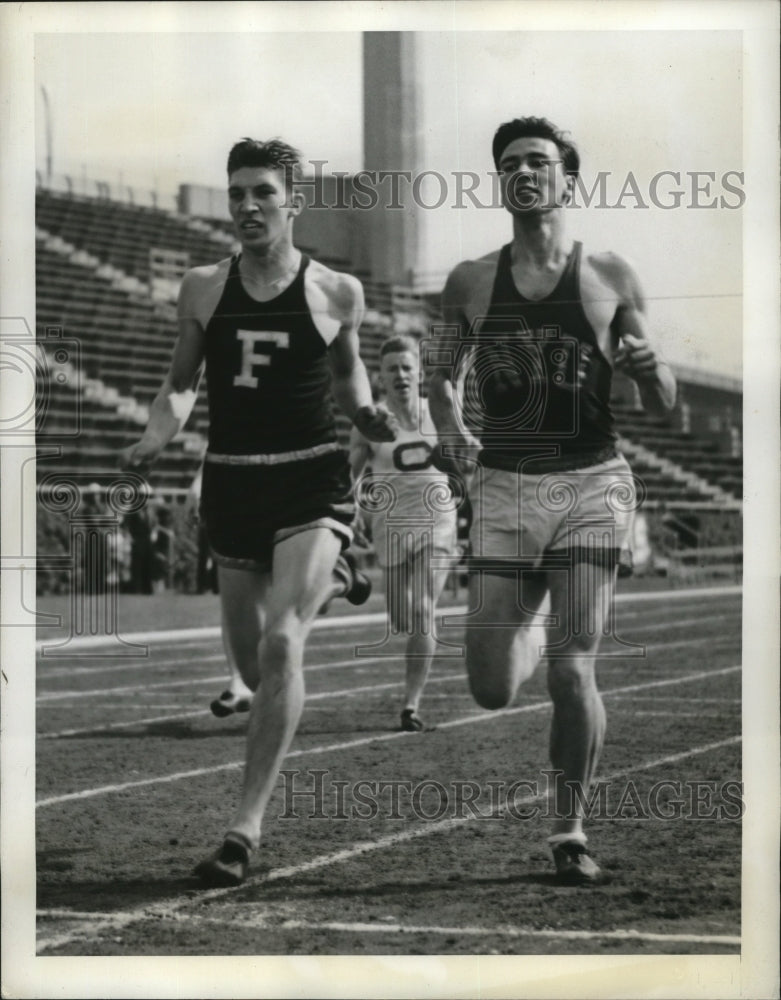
(47, 118)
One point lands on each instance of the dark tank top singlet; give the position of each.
(538, 383)
(268, 373)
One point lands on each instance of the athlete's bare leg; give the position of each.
(242, 600)
(302, 578)
(500, 656)
(505, 633)
(580, 598)
(412, 592)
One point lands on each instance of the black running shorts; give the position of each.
(247, 509)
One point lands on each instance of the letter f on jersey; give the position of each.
(249, 358)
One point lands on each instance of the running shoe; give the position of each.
(411, 722)
(228, 703)
(357, 586)
(228, 866)
(574, 865)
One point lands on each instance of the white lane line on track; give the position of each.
(149, 663)
(112, 705)
(511, 932)
(445, 825)
(127, 689)
(195, 681)
(713, 641)
(126, 724)
(363, 741)
(360, 620)
(456, 677)
(680, 623)
(259, 922)
(170, 910)
(347, 692)
(643, 686)
(145, 663)
(699, 701)
(359, 662)
(674, 715)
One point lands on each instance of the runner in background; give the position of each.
(417, 516)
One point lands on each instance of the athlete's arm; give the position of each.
(360, 451)
(350, 379)
(174, 402)
(443, 402)
(637, 355)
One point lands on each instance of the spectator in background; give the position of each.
(119, 548)
(138, 524)
(162, 541)
(124, 548)
(206, 569)
(94, 568)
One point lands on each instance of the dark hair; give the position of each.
(397, 344)
(274, 154)
(540, 128)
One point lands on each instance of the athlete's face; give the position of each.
(260, 206)
(400, 376)
(532, 175)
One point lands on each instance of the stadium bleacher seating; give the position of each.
(122, 234)
(691, 453)
(93, 280)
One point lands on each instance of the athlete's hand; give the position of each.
(138, 455)
(636, 357)
(376, 423)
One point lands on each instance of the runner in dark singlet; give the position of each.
(273, 459)
(278, 334)
(545, 358)
(521, 401)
